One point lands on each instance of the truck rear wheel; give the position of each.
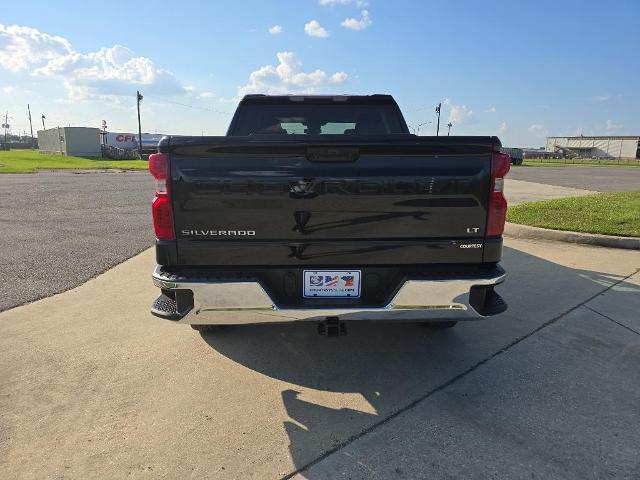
(440, 325)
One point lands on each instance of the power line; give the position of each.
(417, 109)
(416, 127)
(221, 112)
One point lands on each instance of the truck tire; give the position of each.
(440, 325)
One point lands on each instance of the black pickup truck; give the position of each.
(326, 209)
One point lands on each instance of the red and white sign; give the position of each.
(130, 140)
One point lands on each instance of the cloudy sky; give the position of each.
(522, 70)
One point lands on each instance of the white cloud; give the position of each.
(207, 95)
(355, 24)
(314, 29)
(189, 88)
(288, 77)
(490, 110)
(22, 46)
(538, 130)
(503, 127)
(109, 72)
(8, 89)
(338, 77)
(605, 98)
(614, 126)
(457, 113)
(359, 3)
(276, 29)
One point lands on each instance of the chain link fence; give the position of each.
(116, 153)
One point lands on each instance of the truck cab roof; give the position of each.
(375, 99)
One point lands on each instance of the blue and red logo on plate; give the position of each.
(348, 280)
(331, 281)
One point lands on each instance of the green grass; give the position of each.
(604, 213)
(579, 162)
(29, 161)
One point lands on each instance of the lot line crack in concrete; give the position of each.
(609, 318)
(451, 381)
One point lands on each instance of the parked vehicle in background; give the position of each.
(516, 154)
(326, 208)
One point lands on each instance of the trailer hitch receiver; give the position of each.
(332, 327)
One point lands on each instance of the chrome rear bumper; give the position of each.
(229, 303)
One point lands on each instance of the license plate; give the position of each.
(332, 283)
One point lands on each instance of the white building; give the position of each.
(594, 147)
(79, 141)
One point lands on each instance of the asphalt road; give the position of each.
(93, 386)
(599, 179)
(59, 229)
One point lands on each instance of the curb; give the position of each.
(525, 231)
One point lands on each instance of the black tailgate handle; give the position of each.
(333, 154)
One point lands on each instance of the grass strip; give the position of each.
(29, 161)
(615, 213)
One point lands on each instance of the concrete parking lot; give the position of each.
(93, 386)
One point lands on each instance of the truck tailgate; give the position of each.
(397, 200)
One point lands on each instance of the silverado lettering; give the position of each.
(221, 233)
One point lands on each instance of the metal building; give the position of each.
(78, 141)
(594, 147)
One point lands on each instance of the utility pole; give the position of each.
(43, 117)
(139, 99)
(33, 145)
(60, 141)
(449, 125)
(438, 113)
(103, 133)
(6, 127)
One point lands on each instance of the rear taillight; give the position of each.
(161, 206)
(497, 211)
